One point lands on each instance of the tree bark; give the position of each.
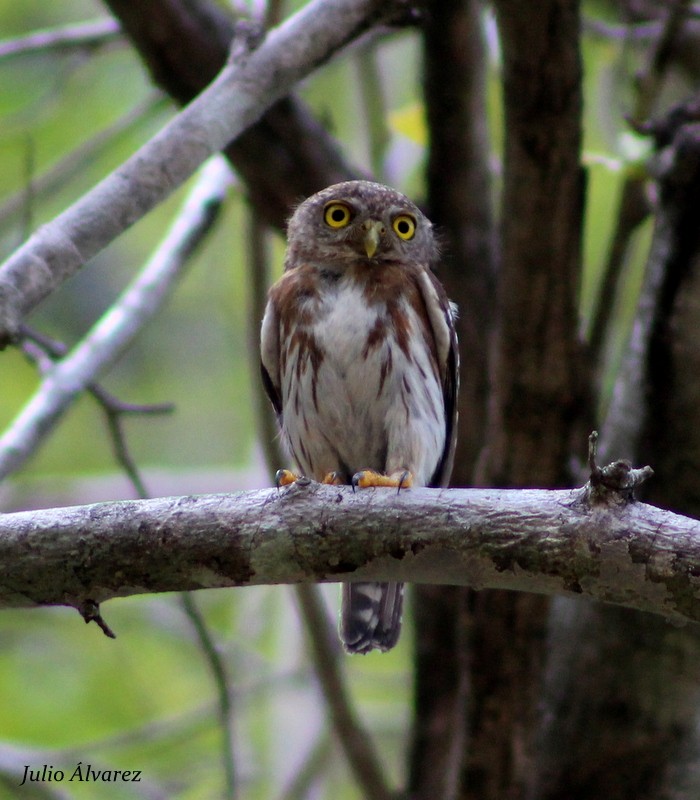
(621, 688)
(459, 187)
(575, 542)
(538, 399)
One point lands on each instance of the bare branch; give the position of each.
(84, 34)
(648, 361)
(45, 351)
(287, 153)
(239, 96)
(310, 770)
(224, 691)
(354, 739)
(633, 205)
(534, 540)
(118, 327)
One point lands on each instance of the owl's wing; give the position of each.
(270, 356)
(442, 314)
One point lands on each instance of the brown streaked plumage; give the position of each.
(359, 359)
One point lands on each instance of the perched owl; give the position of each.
(359, 359)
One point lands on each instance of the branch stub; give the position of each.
(614, 483)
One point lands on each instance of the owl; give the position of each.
(359, 359)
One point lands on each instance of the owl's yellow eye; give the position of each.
(337, 215)
(404, 226)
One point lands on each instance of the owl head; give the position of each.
(359, 220)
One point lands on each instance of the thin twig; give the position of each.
(85, 34)
(310, 770)
(223, 687)
(44, 351)
(326, 654)
(122, 453)
(90, 612)
(374, 108)
(649, 80)
(116, 330)
(633, 208)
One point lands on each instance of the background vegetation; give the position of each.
(151, 699)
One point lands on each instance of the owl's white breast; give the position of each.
(368, 403)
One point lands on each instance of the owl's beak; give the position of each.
(374, 230)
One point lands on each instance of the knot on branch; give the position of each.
(9, 315)
(90, 612)
(614, 483)
(664, 129)
(247, 37)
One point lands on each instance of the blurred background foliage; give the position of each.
(147, 700)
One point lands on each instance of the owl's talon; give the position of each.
(285, 477)
(332, 479)
(405, 481)
(369, 477)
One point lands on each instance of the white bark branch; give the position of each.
(120, 325)
(82, 34)
(578, 542)
(242, 92)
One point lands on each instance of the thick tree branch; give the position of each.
(534, 540)
(287, 154)
(236, 99)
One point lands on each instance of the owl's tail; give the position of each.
(370, 616)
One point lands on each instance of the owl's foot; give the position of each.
(402, 479)
(284, 477)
